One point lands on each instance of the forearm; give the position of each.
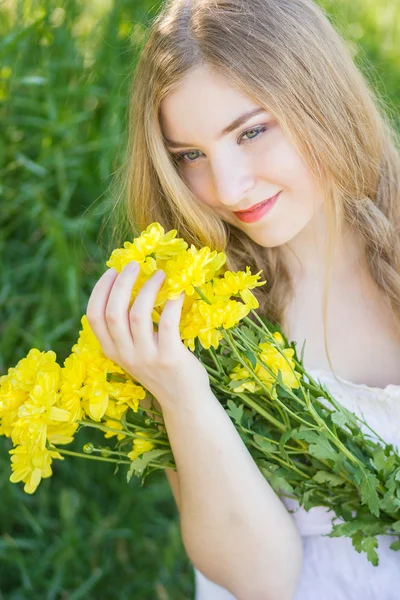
(235, 529)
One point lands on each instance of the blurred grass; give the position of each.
(65, 68)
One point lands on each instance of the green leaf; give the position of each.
(389, 465)
(396, 526)
(343, 417)
(323, 450)
(378, 459)
(228, 363)
(308, 435)
(328, 477)
(307, 500)
(278, 483)
(139, 464)
(339, 418)
(382, 463)
(355, 472)
(356, 446)
(286, 435)
(264, 444)
(389, 503)
(368, 546)
(235, 412)
(369, 484)
(356, 540)
(235, 384)
(395, 545)
(250, 333)
(252, 358)
(348, 529)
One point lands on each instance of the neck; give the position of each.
(307, 254)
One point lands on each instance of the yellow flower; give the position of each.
(278, 338)
(113, 418)
(87, 341)
(72, 377)
(31, 464)
(24, 375)
(140, 446)
(96, 395)
(239, 283)
(61, 433)
(204, 321)
(152, 242)
(191, 268)
(39, 411)
(11, 399)
(273, 359)
(127, 394)
(239, 373)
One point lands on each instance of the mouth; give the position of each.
(258, 211)
(256, 206)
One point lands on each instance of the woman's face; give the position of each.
(248, 164)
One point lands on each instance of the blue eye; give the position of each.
(184, 156)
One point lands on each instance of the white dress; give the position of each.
(332, 569)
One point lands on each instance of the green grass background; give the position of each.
(65, 68)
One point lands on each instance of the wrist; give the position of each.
(186, 400)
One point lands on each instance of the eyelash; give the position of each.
(180, 156)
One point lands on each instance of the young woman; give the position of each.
(236, 104)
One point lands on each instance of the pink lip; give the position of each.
(260, 209)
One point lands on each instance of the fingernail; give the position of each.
(159, 275)
(132, 266)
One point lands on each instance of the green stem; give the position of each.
(220, 370)
(152, 411)
(200, 293)
(287, 449)
(124, 432)
(104, 428)
(81, 455)
(282, 461)
(322, 424)
(247, 340)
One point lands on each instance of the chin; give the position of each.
(270, 240)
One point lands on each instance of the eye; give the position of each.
(257, 130)
(185, 156)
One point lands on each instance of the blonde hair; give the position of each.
(285, 55)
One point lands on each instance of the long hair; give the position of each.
(286, 56)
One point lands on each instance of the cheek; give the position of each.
(280, 163)
(200, 183)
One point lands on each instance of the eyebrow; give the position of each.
(234, 125)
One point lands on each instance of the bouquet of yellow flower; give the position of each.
(305, 443)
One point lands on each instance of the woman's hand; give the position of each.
(159, 361)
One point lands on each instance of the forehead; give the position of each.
(202, 104)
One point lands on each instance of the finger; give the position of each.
(140, 320)
(117, 310)
(168, 327)
(95, 310)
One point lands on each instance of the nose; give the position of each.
(233, 179)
